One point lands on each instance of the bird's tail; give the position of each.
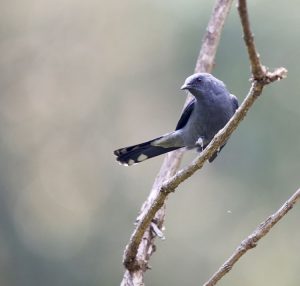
(141, 152)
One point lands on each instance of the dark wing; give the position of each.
(186, 114)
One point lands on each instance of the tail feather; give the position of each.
(140, 152)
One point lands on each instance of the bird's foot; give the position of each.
(200, 143)
(157, 231)
(154, 228)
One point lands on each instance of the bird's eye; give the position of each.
(199, 79)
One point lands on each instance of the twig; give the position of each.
(141, 245)
(251, 241)
(259, 72)
(256, 67)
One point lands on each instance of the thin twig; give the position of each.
(251, 241)
(141, 245)
(256, 67)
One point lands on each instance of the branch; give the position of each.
(256, 67)
(251, 241)
(259, 72)
(220, 138)
(141, 245)
(134, 259)
(211, 39)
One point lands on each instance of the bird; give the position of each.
(211, 107)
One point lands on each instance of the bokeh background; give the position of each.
(82, 78)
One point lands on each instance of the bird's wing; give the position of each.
(235, 105)
(235, 102)
(186, 114)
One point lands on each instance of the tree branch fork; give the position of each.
(137, 263)
(170, 185)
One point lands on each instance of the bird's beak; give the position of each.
(185, 86)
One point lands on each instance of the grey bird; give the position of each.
(208, 112)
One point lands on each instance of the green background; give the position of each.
(82, 78)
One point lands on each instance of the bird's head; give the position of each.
(203, 84)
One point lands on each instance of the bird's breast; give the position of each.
(206, 120)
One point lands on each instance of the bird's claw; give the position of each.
(200, 143)
(155, 229)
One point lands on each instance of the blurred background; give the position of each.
(82, 78)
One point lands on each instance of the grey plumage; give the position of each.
(207, 113)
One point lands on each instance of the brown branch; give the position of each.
(251, 241)
(211, 39)
(141, 244)
(256, 68)
(261, 76)
(221, 137)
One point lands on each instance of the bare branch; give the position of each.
(141, 244)
(256, 67)
(221, 137)
(259, 75)
(211, 39)
(251, 241)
